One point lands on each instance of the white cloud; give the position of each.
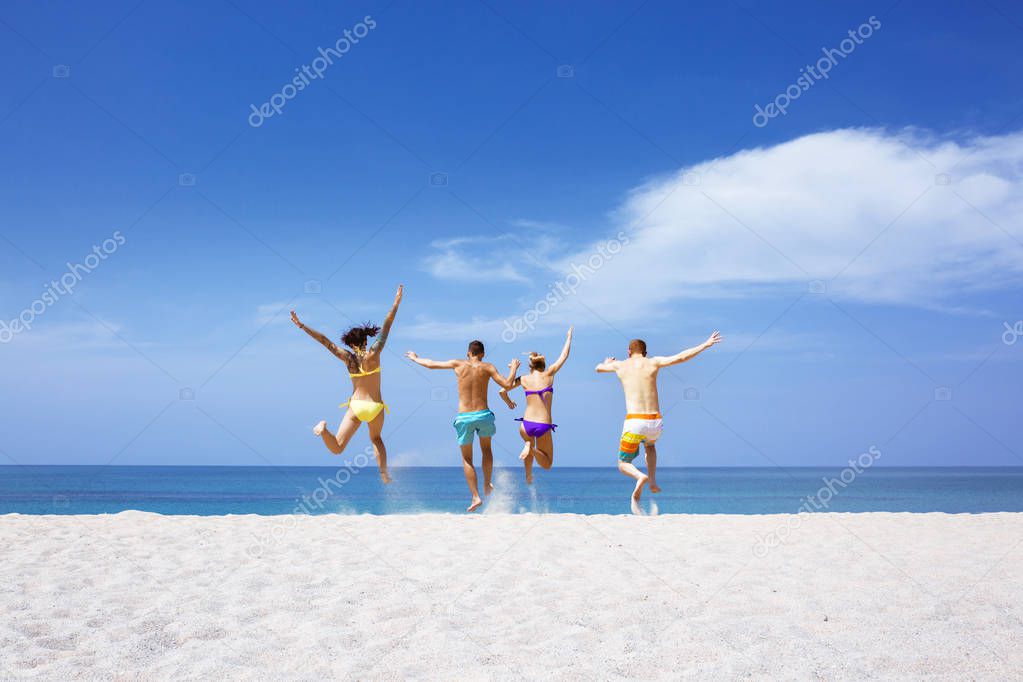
(803, 210)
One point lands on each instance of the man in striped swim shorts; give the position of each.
(643, 423)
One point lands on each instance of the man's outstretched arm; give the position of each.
(508, 382)
(431, 364)
(609, 365)
(687, 354)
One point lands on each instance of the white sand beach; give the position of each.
(848, 596)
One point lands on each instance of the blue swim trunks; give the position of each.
(469, 423)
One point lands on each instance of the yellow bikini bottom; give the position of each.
(365, 410)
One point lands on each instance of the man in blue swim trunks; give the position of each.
(474, 416)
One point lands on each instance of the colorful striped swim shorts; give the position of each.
(639, 428)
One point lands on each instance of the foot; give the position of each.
(526, 451)
(654, 488)
(636, 509)
(319, 428)
(638, 490)
(488, 488)
(476, 504)
(385, 477)
(529, 478)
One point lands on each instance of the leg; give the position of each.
(338, 443)
(488, 465)
(527, 454)
(629, 469)
(544, 451)
(527, 449)
(470, 476)
(651, 466)
(375, 427)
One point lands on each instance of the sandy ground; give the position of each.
(847, 596)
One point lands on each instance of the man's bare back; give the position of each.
(474, 384)
(638, 375)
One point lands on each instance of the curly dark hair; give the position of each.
(356, 338)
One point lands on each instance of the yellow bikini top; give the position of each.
(364, 374)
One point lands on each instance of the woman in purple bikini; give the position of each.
(537, 427)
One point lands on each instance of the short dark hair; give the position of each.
(637, 346)
(476, 348)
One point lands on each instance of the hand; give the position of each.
(608, 361)
(397, 296)
(294, 318)
(514, 365)
(512, 405)
(713, 339)
(569, 335)
(411, 355)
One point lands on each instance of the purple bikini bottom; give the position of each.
(536, 429)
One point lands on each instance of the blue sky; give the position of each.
(859, 253)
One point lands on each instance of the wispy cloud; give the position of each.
(70, 336)
(528, 246)
(463, 260)
(431, 329)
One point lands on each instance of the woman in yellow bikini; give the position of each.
(366, 404)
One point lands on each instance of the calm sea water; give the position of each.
(321, 490)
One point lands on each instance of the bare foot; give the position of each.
(318, 429)
(639, 488)
(476, 504)
(529, 478)
(488, 488)
(526, 450)
(385, 477)
(654, 488)
(636, 509)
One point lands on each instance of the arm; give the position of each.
(609, 365)
(504, 394)
(689, 353)
(378, 345)
(505, 382)
(553, 369)
(327, 343)
(431, 364)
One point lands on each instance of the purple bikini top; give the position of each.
(549, 389)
